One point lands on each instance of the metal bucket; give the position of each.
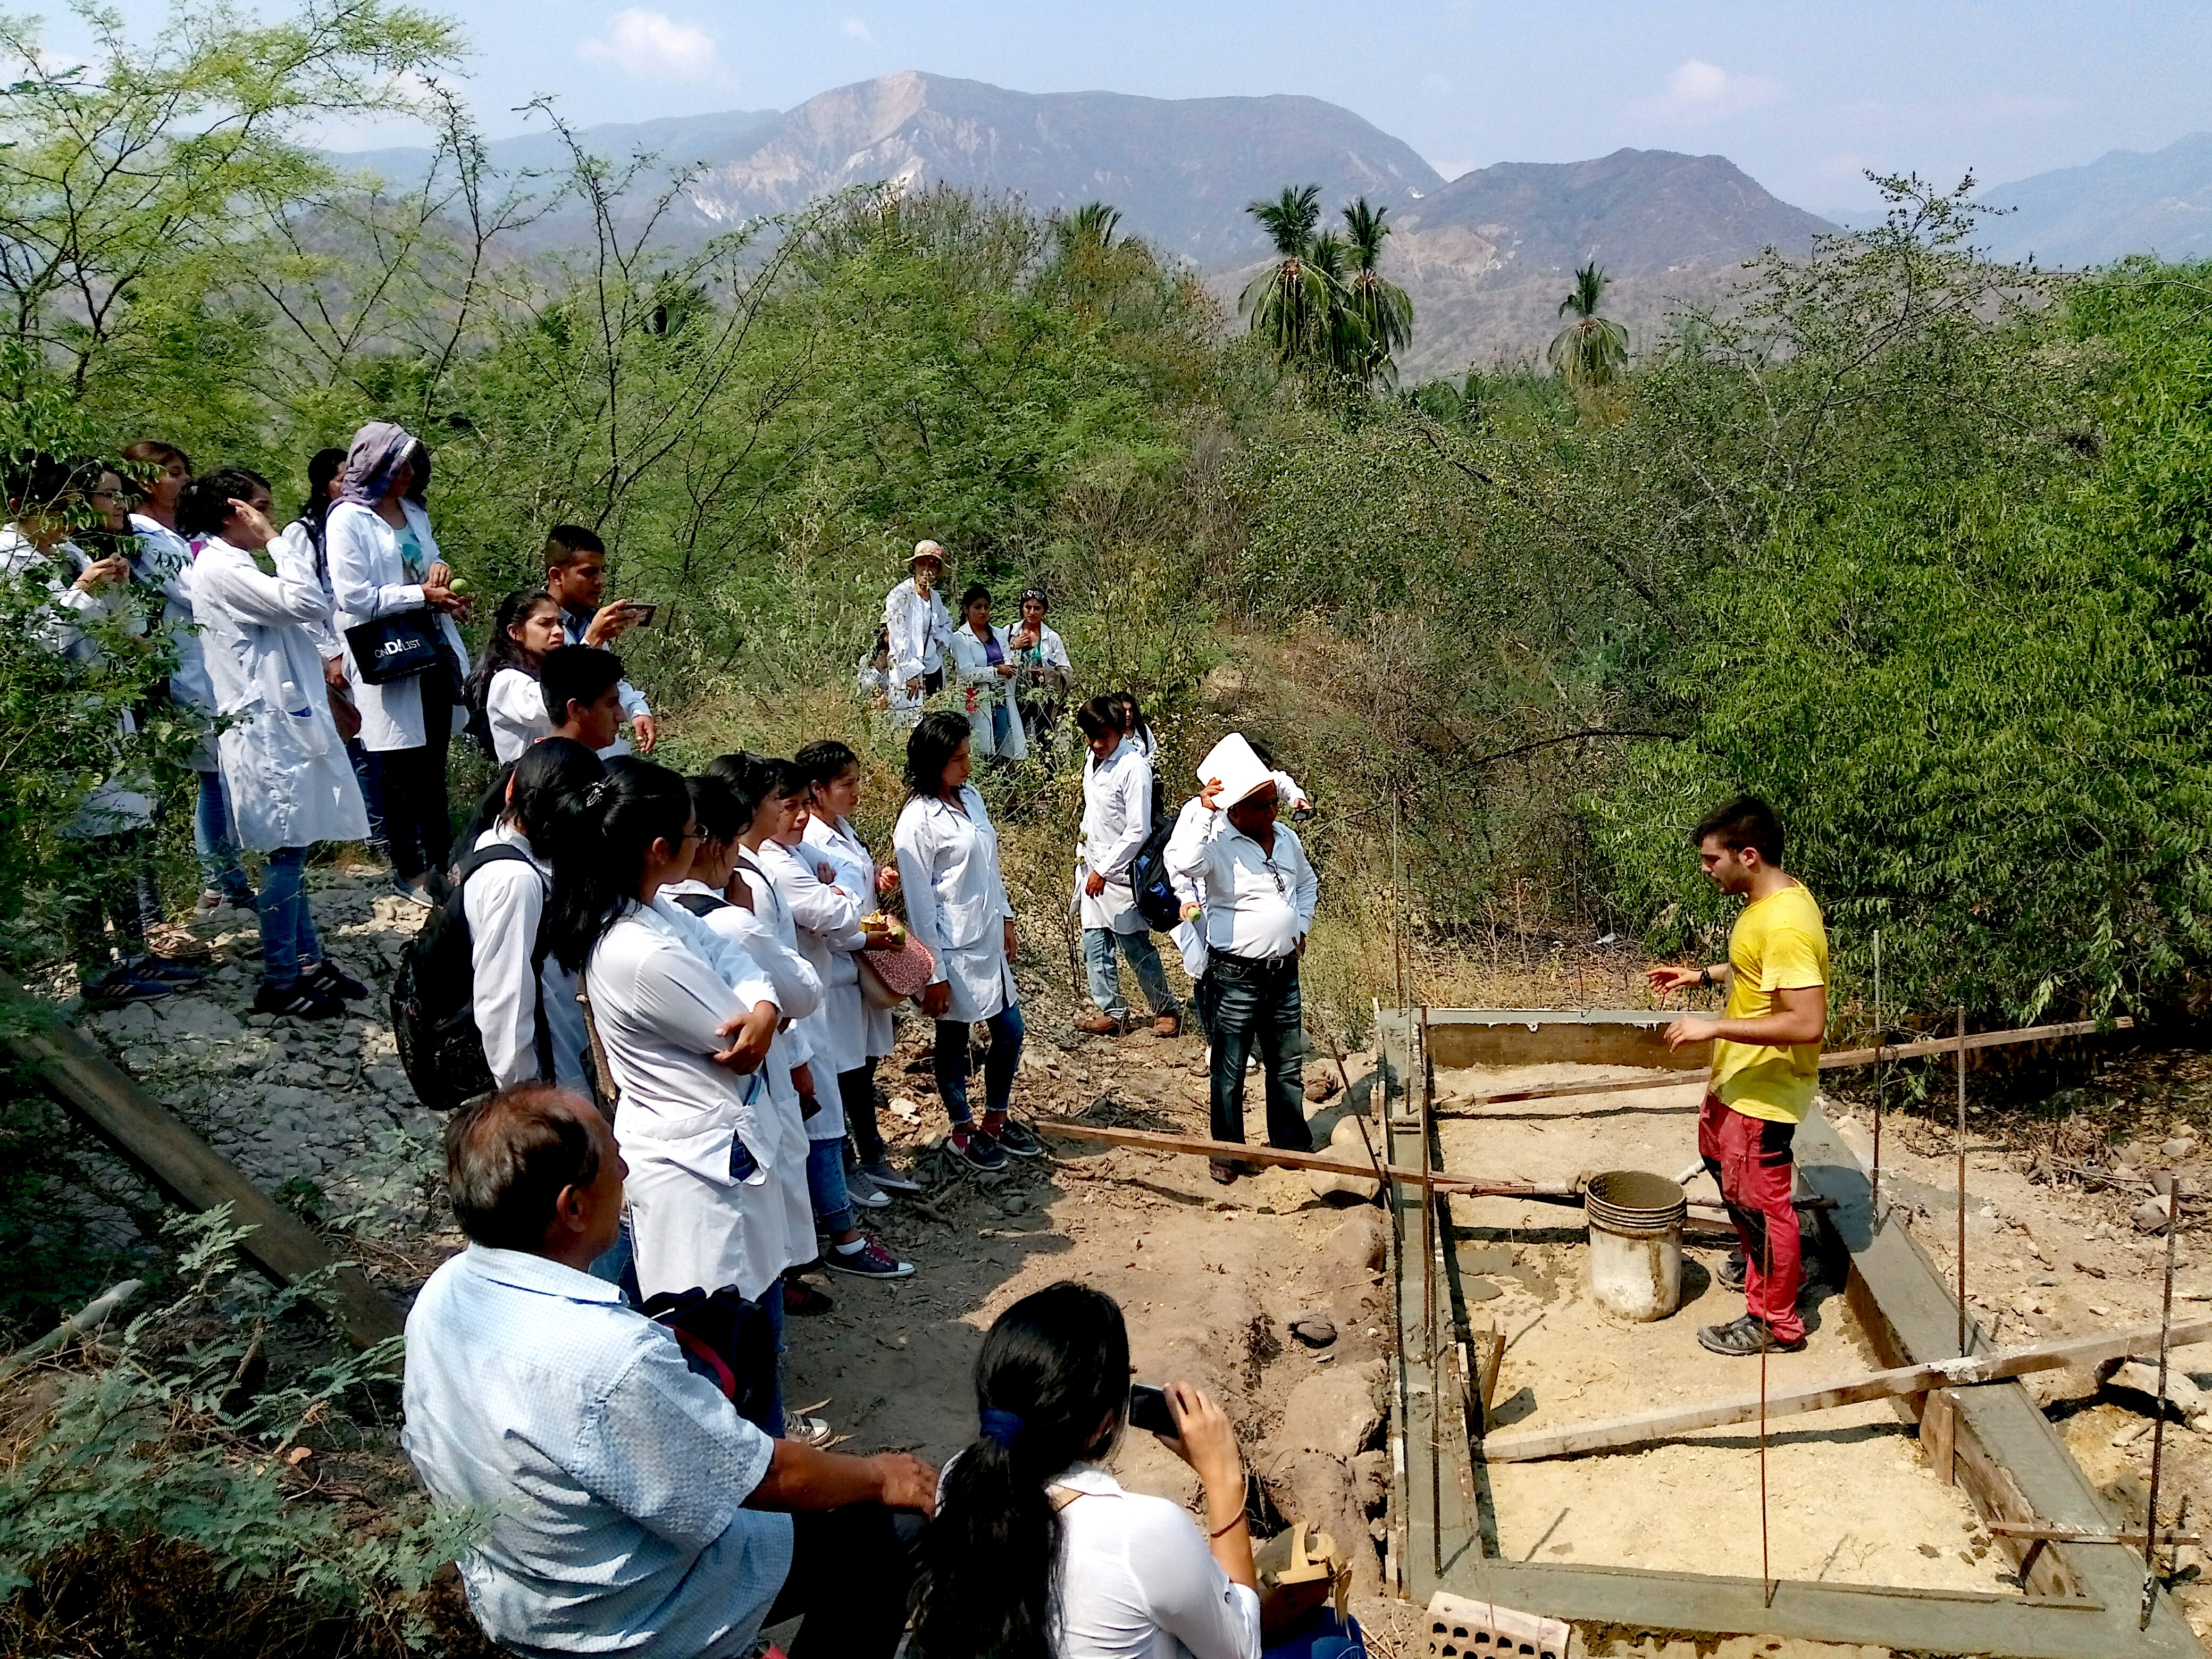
(1635, 1242)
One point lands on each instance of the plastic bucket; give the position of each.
(1635, 1242)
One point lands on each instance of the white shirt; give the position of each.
(612, 1479)
(164, 560)
(919, 633)
(368, 578)
(1195, 825)
(503, 901)
(657, 1003)
(1138, 1582)
(284, 764)
(825, 921)
(956, 900)
(1117, 816)
(855, 866)
(1257, 904)
(984, 689)
(515, 709)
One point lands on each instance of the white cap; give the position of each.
(1242, 772)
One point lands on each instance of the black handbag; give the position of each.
(394, 647)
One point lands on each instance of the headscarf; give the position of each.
(377, 451)
(418, 486)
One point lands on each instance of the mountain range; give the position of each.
(1486, 256)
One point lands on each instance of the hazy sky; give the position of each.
(1803, 96)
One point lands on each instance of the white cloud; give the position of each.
(856, 28)
(651, 45)
(1695, 91)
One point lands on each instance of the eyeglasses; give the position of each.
(1280, 891)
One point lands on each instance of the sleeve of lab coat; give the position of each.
(292, 596)
(1112, 862)
(916, 839)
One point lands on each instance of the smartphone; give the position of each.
(1148, 1409)
(639, 615)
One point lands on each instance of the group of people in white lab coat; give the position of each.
(1011, 682)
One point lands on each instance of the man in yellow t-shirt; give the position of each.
(1766, 1060)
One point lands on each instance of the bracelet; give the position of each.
(1705, 974)
(1234, 1521)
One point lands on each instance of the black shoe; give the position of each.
(978, 1148)
(1224, 1170)
(1014, 1138)
(802, 1299)
(1733, 1271)
(150, 966)
(1748, 1335)
(333, 980)
(298, 1000)
(120, 986)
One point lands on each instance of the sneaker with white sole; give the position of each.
(806, 1431)
(1018, 1140)
(869, 1261)
(978, 1149)
(864, 1192)
(888, 1179)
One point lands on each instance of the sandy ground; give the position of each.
(1849, 1495)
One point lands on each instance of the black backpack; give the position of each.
(1157, 902)
(433, 998)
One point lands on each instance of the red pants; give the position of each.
(1750, 1158)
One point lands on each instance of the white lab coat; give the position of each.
(986, 689)
(1195, 825)
(955, 901)
(163, 561)
(1117, 816)
(116, 803)
(772, 912)
(504, 901)
(297, 539)
(658, 1003)
(919, 633)
(515, 709)
(369, 581)
(283, 764)
(827, 920)
(798, 989)
(838, 846)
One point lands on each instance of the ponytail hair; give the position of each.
(501, 651)
(1052, 1389)
(550, 778)
(598, 851)
(749, 778)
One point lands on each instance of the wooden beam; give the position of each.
(1644, 1426)
(1197, 1146)
(2045, 1534)
(184, 1169)
(1851, 1057)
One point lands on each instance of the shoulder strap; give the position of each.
(702, 904)
(497, 850)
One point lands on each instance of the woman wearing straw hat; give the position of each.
(919, 629)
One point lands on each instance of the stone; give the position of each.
(1012, 1204)
(1321, 1080)
(1314, 1330)
(261, 1020)
(1334, 1411)
(196, 1017)
(1355, 1251)
(2179, 1146)
(2140, 1377)
(1345, 1146)
(1316, 1489)
(2152, 1215)
(133, 1023)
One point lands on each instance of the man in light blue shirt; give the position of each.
(630, 1510)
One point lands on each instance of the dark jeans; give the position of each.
(857, 1090)
(951, 1063)
(1252, 1005)
(850, 1571)
(372, 797)
(410, 786)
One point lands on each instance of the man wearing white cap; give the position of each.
(1256, 897)
(919, 628)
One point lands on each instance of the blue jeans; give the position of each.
(1256, 1005)
(289, 944)
(1105, 975)
(770, 1302)
(221, 872)
(951, 1063)
(825, 1185)
(371, 796)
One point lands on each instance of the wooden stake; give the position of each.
(1939, 1434)
(2085, 1352)
(2158, 1429)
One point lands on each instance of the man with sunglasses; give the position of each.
(1256, 895)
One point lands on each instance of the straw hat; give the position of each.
(926, 550)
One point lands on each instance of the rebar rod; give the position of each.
(2158, 1429)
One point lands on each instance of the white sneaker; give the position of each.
(864, 1192)
(806, 1431)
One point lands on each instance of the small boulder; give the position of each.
(1355, 1251)
(2140, 1377)
(2179, 1146)
(1334, 1411)
(190, 1017)
(2153, 1214)
(1321, 1081)
(1314, 1330)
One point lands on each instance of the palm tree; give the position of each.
(1294, 303)
(1091, 227)
(1385, 311)
(1592, 350)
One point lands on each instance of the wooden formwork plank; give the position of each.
(2007, 1456)
(186, 1170)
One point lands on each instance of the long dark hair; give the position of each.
(935, 741)
(1052, 1389)
(1136, 725)
(500, 649)
(598, 851)
(315, 512)
(750, 778)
